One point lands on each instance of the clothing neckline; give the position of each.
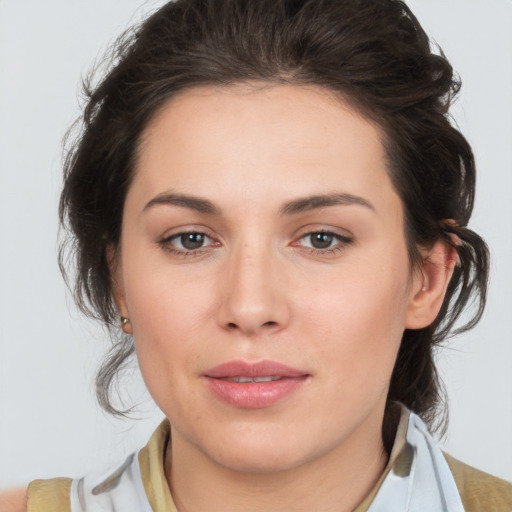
(152, 457)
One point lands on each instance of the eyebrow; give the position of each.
(193, 203)
(309, 203)
(294, 207)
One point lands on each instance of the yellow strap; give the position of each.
(151, 462)
(49, 495)
(479, 491)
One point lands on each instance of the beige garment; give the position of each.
(49, 495)
(151, 462)
(480, 492)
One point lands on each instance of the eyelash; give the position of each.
(342, 243)
(167, 244)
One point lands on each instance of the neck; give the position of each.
(338, 481)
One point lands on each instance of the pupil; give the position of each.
(192, 240)
(321, 240)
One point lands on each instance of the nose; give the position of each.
(254, 296)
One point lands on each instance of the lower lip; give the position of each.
(254, 395)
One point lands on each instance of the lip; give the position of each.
(253, 395)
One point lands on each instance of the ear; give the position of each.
(116, 277)
(429, 284)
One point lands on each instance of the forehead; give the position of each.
(208, 139)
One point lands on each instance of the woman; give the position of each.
(268, 199)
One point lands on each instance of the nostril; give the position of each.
(233, 325)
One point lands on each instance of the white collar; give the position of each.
(419, 480)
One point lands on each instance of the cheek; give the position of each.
(168, 316)
(163, 299)
(167, 343)
(358, 317)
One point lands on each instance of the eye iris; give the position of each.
(192, 241)
(321, 240)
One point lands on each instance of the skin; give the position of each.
(13, 500)
(257, 289)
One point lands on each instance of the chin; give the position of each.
(259, 460)
(264, 450)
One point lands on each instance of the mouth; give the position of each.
(254, 385)
(244, 380)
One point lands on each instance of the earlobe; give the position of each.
(115, 267)
(126, 325)
(430, 284)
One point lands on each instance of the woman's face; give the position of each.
(265, 273)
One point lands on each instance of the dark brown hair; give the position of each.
(373, 53)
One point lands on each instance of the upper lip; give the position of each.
(259, 369)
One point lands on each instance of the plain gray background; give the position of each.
(50, 424)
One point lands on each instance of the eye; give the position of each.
(323, 241)
(190, 241)
(187, 243)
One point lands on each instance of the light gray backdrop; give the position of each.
(50, 424)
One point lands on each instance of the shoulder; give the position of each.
(117, 487)
(49, 495)
(480, 491)
(13, 500)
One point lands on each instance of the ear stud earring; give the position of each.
(124, 320)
